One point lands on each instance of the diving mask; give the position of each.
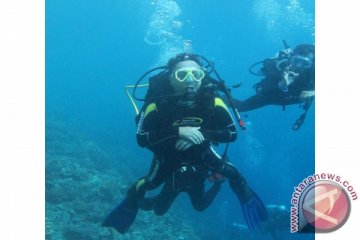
(301, 62)
(196, 74)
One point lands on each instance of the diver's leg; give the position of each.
(147, 203)
(162, 201)
(159, 171)
(202, 199)
(165, 198)
(123, 216)
(253, 208)
(215, 163)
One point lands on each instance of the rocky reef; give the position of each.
(84, 183)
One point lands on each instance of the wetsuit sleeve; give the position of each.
(150, 133)
(221, 127)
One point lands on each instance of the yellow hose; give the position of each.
(130, 97)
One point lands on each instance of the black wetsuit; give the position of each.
(268, 92)
(190, 179)
(158, 130)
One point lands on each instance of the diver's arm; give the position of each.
(227, 135)
(223, 127)
(149, 133)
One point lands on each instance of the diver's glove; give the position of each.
(287, 79)
(183, 144)
(192, 134)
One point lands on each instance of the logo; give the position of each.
(188, 121)
(321, 203)
(326, 206)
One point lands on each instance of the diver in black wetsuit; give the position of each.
(190, 179)
(179, 129)
(289, 79)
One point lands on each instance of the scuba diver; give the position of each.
(181, 118)
(191, 179)
(289, 78)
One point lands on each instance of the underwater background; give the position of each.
(95, 48)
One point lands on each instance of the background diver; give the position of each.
(179, 126)
(289, 78)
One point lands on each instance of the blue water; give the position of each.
(95, 48)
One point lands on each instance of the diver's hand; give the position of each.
(305, 95)
(191, 134)
(289, 77)
(183, 144)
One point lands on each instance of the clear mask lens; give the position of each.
(196, 74)
(301, 62)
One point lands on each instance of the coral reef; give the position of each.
(80, 191)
